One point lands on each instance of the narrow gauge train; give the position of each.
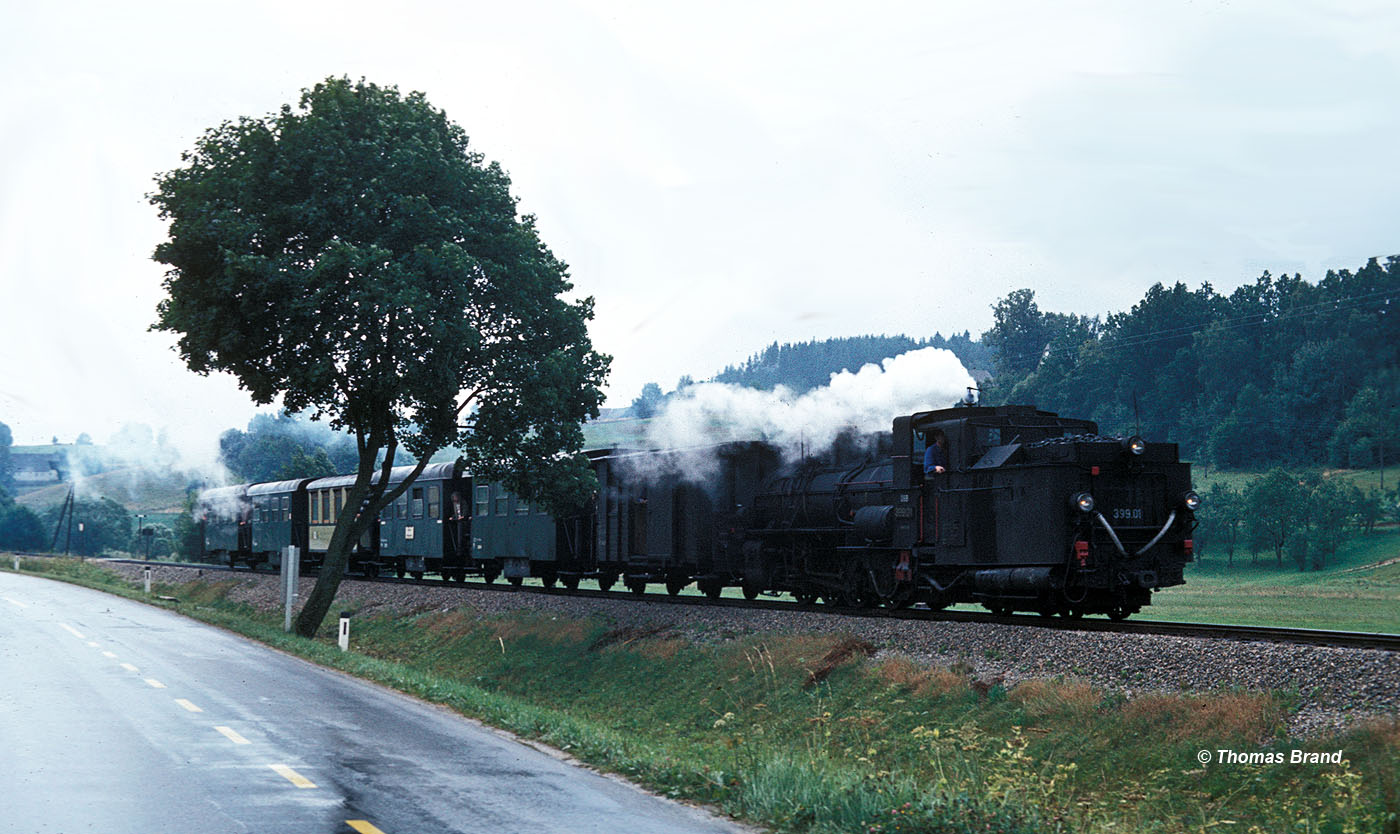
(1035, 512)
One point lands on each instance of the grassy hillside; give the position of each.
(137, 490)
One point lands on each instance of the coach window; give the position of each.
(339, 499)
(401, 507)
(483, 500)
(522, 507)
(325, 507)
(417, 504)
(286, 508)
(502, 501)
(433, 503)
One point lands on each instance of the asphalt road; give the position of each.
(119, 717)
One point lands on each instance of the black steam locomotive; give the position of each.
(1034, 512)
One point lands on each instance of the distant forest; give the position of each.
(1280, 371)
(808, 365)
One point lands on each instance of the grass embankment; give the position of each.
(810, 733)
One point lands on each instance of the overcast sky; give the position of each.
(718, 175)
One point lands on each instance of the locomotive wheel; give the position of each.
(751, 591)
(806, 597)
(713, 590)
(570, 582)
(636, 586)
(1075, 613)
(1119, 614)
(416, 574)
(549, 579)
(517, 581)
(489, 576)
(1000, 610)
(606, 581)
(674, 586)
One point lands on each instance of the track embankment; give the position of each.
(1332, 684)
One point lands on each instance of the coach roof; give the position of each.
(431, 472)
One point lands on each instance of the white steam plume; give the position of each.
(866, 401)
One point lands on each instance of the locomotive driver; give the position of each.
(936, 455)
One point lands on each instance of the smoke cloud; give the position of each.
(865, 401)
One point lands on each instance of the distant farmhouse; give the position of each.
(39, 466)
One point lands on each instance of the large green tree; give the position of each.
(354, 257)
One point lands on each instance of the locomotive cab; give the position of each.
(1038, 512)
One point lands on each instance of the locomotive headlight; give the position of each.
(1135, 445)
(1082, 501)
(1191, 500)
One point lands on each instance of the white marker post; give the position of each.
(345, 631)
(146, 574)
(291, 573)
(16, 563)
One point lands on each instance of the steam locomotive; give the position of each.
(1034, 512)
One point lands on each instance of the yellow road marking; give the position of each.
(187, 705)
(73, 631)
(112, 655)
(128, 667)
(153, 682)
(232, 736)
(292, 776)
(15, 602)
(363, 827)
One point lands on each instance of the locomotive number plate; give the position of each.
(1127, 514)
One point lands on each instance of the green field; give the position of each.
(1360, 592)
(1365, 479)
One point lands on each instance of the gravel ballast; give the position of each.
(1333, 686)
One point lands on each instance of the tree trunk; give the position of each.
(362, 506)
(350, 526)
(347, 533)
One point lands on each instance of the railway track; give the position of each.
(1218, 631)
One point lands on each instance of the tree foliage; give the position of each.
(7, 473)
(96, 526)
(1280, 371)
(355, 257)
(648, 402)
(281, 446)
(803, 366)
(20, 527)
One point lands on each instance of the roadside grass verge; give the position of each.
(823, 733)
